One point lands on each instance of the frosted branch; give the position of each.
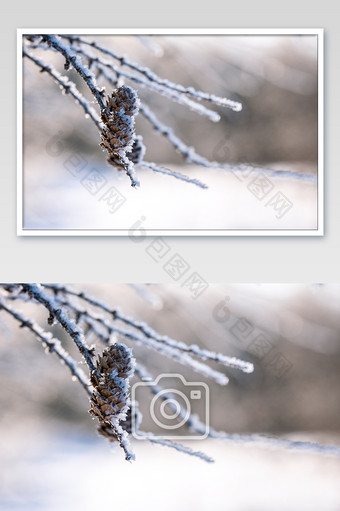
(152, 77)
(147, 295)
(192, 156)
(161, 343)
(36, 292)
(168, 172)
(173, 353)
(68, 86)
(179, 447)
(278, 443)
(53, 345)
(177, 98)
(76, 62)
(102, 65)
(168, 351)
(196, 425)
(181, 346)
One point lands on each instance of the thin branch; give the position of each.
(36, 292)
(192, 156)
(193, 349)
(174, 354)
(147, 295)
(162, 170)
(195, 424)
(178, 447)
(54, 345)
(102, 65)
(60, 288)
(82, 70)
(157, 390)
(148, 332)
(279, 443)
(150, 44)
(68, 86)
(168, 351)
(152, 77)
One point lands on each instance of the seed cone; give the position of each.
(138, 150)
(110, 400)
(132, 422)
(119, 131)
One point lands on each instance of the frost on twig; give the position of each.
(103, 66)
(193, 349)
(147, 295)
(196, 425)
(178, 351)
(110, 400)
(53, 345)
(180, 447)
(67, 86)
(75, 61)
(153, 77)
(191, 155)
(94, 321)
(162, 170)
(56, 314)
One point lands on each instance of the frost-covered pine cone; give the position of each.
(110, 400)
(127, 424)
(118, 134)
(138, 150)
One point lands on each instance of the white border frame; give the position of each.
(319, 32)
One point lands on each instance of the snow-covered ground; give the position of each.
(61, 198)
(42, 470)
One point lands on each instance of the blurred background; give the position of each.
(274, 77)
(291, 333)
